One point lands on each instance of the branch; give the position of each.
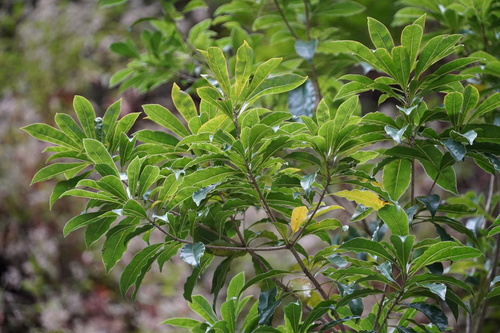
(216, 247)
(285, 20)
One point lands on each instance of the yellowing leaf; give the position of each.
(367, 198)
(298, 216)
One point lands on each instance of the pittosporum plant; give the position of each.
(192, 181)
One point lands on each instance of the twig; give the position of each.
(308, 26)
(217, 247)
(285, 20)
(321, 197)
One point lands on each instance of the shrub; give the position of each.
(237, 149)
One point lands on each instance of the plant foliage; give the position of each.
(232, 145)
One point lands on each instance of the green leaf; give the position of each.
(86, 115)
(443, 251)
(81, 220)
(402, 329)
(116, 242)
(134, 209)
(293, 316)
(401, 65)
(197, 180)
(453, 103)
(235, 287)
(201, 306)
(396, 134)
(433, 313)
(133, 171)
(495, 292)
(456, 149)
(68, 125)
(219, 277)
(357, 294)
(123, 126)
(113, 185)
(380, 35)
(156, 137)
(445, 177)
(439, 289)
(49, 134)
(213, 97)
(262, 73)
(403, 246)
(110, 119)
(192, 279)
(317, 312)
(120, 76)
(432, 278)
(306, 49)
(350, 47)
(192, 253)
(64, 186)
(137, 268)
(435, 49)
(183, 103)
(471, 97)
(396, 178)
(344, 114)
(165, 118)
(342, 9)
(95, 231)
(126, 148)
(217, 62)
(431, 202)
(490, 104)
(90, 195)
(396, 219)
(111, 3)
(149, 175)
(125, 49)
(228, 314)
(53, 170)
(99, 154)
(264, 276)
(242, 70)
(170, 250)
(411, 37)
(181, 322)
(267, 304)
(365, 245)
(276, 85)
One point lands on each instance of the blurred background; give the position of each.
(51, 50)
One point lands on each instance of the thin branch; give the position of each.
(307, 272)
(285, 20)
(314, 79)
(321, 197)
(216, 247)
(379, 311)
(228, 239)
(308, 25)
(261, 196)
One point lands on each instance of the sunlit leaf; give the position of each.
(366, 198)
